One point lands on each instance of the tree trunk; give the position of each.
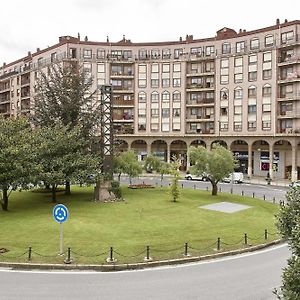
(4, 204)
(68, 188)
(214, 191)
(47, 186)
(119, 177)
(53, 192)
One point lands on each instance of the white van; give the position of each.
(237, 177)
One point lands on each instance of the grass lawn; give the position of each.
(146, 217)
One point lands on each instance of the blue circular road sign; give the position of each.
(60, 213)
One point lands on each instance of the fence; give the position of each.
(147, 254)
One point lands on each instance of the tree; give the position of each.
(216, 163)
(62, 157)
(17, 154)
(64, 96)
(127, 163)
(152, 163)
(174, 170)
(288, 224)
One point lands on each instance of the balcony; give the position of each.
(123, 103)
(199, 73)
(125, 75)
(289, 97)
(290, 77)
(289, 60)
(200, 87)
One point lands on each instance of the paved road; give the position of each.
(267, 192)
(244, 277)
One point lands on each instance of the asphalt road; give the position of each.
(267, 192)
(244, 277)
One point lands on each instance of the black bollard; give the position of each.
(266, 234)
(246, 239)
(29, 253)
(218, 244)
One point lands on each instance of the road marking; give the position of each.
(75, 272)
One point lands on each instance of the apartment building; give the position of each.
(241, 89)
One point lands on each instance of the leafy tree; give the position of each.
(152, 163)
(216, 164)
(61, 156)
(174, 170)
(65, 96)
(288, 224)
(164, 168)
(127, 163)
(17, 154)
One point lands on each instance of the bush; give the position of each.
(116, 190)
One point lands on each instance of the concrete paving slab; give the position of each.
(226, 207)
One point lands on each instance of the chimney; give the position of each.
(240, 31)
(78, 36)
(4, 64)
(285, 21)
(244, 30)
(86, 38)
(29, 53)
(107, 39)
(277, 21)
(180, 39)
(38, 49)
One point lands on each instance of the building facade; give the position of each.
(241, 89)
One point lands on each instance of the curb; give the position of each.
(134, 266)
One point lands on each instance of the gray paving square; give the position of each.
(226, 207)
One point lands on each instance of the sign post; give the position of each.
(60, 214)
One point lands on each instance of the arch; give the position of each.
(252, 91)
(221, 142)
(198, 143)
(239, 149)
(159, 148)
(266, 90)
(260, 150)
(140, 147)
(154, 97)
(176, 96)
(282, 150)
(165, 96)
(178, 148)
(121, 145)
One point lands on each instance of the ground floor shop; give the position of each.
(257, 156)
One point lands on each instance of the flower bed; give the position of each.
(141, 186)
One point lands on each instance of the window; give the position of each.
(154, 126)
(142, 82)
(269, 40)
(226, 48)
(210, 50)
(267, 74)
(165, 96)
(224, 94)
(287, 37)
(154, 75)
(251, 125)
(224, 71)
(176, 67)
(142, 113)
(154, 97)
(154, 113)
(254, 44)
(165, 112)
(237, 126)
(142, 126)
(240, 47)
(238, 78)
(176, 96)
(178, 52)
(143, 54)
(155, 53)
(238, 93)
(237, 110)
(165, 127)
(252, 59)
(53, 57)
(176, 112)
(196, 51)
(266, 90)
(252, 92)
(166, 53)
(176, 82)
(166, 68)
(142, 97)
(87, 53)
(251, 109)
(127, 54)
(166, 82)
(238, 69)
(252, 76)
(100, 54)
(116, 54)
(266, 125)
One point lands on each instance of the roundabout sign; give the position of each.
(60, 215)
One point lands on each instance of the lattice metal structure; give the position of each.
(107, 137)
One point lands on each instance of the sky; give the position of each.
(27, 25)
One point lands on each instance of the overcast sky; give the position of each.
(26, 25)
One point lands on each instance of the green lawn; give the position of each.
(146, 217)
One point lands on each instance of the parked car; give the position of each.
(237, 177)
(189, 176)
(294, 184)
